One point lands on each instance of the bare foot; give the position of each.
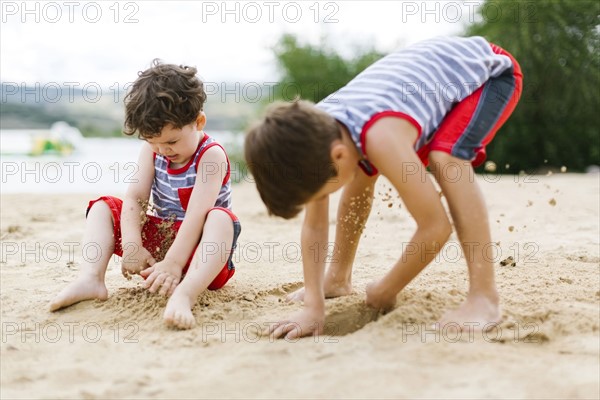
(86, 287)
(333, 289)
(378, 297)
(178, 313)
(477, 312)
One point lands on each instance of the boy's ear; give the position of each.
(201, 121)
(338, 151)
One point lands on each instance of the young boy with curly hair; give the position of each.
(185, 245)
(436, 103)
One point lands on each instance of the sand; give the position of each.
(547, 346)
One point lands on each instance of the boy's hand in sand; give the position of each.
(307, 322)
(164, 276)
(135, 259)
(379, 298)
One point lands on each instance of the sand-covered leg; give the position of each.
(470, 216)
(90, 283)
(206, 265)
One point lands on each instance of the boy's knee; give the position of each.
(100, 208)
(219, 216)
(221, 224)
(439, 160)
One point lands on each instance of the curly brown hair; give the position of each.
(164, 94)
(288, 154)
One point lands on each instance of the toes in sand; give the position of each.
(84, 288)
(178, 313)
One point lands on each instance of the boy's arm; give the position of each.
(314, 238)
(135, 256)
(391, 140)
(203, 198)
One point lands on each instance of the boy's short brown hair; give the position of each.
(164, 94)
(288, 154)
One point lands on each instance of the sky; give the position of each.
(107, 42)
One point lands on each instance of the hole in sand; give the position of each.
(345, 319)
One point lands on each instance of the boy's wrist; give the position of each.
(316, 311)
(133, 240)
(174, 262)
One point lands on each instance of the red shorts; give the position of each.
(472, 123)
(153, 236)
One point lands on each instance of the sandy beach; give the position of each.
(548, 345)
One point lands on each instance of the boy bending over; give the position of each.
(438, 104)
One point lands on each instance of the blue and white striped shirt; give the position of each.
(172, 188)
(421, 82)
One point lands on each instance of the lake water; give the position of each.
(98, 166)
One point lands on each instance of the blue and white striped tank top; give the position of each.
(172, 188)
(421, 83)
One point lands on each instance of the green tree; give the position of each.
(314, 72)
(557, 44)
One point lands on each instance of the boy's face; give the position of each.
(178, 145)
(331, 186)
